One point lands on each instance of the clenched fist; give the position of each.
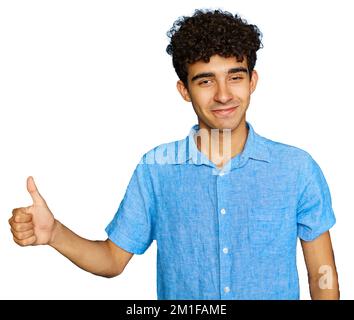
(35, 224)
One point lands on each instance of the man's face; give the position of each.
(220, 91)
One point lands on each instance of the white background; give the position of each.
(86, 88)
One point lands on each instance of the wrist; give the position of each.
(55, 233)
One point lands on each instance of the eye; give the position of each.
(236, 78)
(205, 82)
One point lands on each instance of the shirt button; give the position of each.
(223, 211)
(226, 289)
(221, 174)
(225, 250)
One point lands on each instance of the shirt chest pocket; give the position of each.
(264, 225)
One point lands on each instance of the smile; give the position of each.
(222, 113)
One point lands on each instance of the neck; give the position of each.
(221, 145)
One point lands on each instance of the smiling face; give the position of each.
(220, 91)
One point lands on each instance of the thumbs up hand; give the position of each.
(35, 224)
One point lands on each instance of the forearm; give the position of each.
(91, 256)
(329, 293)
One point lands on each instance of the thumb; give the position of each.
(32, 189)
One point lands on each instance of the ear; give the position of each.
(254, 80)
(183, 91)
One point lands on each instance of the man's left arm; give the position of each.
(321, 268)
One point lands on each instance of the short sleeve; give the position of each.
(131, 227)
(314, 211)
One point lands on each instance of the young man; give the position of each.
(225, 221)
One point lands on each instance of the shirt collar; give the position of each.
(255, 148)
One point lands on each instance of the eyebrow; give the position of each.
(211, 74)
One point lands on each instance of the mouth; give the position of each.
(222, 113)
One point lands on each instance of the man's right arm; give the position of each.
(103, 258)
(36, 225)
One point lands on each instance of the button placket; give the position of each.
(225, 262)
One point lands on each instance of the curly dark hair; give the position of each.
(207, 33)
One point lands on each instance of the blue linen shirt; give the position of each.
(224, 234)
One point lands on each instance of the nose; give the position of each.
(223, 93)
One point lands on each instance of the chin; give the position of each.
(232, 125)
